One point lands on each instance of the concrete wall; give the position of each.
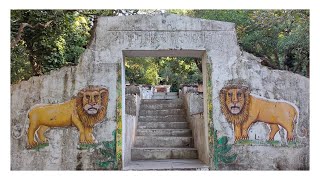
(269, 84)
(57, 87)
(193, 104)
(131, 121)
(146, 93)
(159, 35)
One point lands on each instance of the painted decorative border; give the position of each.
(119, 119)
(210, 112)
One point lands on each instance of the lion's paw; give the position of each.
(237, 138)
(245, 137)
(290, 139)
(44, 141)
(32, 145)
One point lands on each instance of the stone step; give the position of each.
(165, 93)
(162, 112)
(163, 125)
(168, 118)
(167, 164)
(165, 97)
(155, 106)
(163, 141)
(163, 153)
(164, 132)
(161, 101)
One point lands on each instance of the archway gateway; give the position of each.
(230, 75)
(200, 129)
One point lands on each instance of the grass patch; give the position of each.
(293, 143)
(255, 142)
(86, 146)
(245, 142)
(274, 143)
(40, 146)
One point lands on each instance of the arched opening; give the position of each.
(164, 123)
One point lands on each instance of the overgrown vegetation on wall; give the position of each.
(44, 40)
(279, 37)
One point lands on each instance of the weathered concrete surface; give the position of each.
(146, 93)
(163, 141)
(163, 125)
(271, 84)
(166, 35)
(193, 103)
(57, 87)
(133, 90)
(165, 95)
(165, 118)
(167, 139)
(168, 164)
(162, 112)
(164, 132)
(283, 158)
(132, 113)
(164, 153)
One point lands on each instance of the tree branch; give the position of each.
(15, 41)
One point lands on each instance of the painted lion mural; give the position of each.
(242, 109)
(84, 111)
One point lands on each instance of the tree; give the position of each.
(46, 40)
(279, 37)
(167, 70)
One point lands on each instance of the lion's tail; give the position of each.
(296, 122)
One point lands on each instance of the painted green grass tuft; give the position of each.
(86, 146)
(40, 146)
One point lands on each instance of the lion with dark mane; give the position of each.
(84, 111)
(242, 109)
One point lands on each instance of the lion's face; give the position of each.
(235, 100)
(91, 102)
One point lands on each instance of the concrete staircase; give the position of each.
(163, 137)
(165, 95)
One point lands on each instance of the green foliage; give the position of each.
(142, 70)
(42, 49)
(221, 150)
(165, 70)
(20, 66)
(87, 146)
(108, 151)
(281, 37)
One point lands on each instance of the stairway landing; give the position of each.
(167, 164)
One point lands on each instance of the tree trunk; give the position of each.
(277, 61)
(35, 64)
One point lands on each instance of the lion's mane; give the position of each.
(87, 119)
(243, 115)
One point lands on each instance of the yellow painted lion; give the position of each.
(243, 109)
(84, 111)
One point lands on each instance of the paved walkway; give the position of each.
(168, 164)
